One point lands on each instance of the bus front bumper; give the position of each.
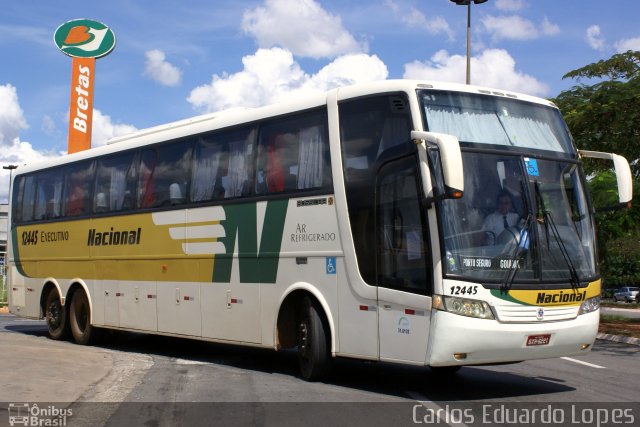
(460, 340)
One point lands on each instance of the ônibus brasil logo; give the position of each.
(84, 38)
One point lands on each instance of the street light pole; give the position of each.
(468, 4)
(10, 168)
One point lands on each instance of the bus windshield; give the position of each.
(522, 219)
(522, 214)
(483, 119)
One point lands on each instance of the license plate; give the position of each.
(538, 339)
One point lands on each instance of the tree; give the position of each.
(605, 116)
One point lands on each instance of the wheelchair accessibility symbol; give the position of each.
(531, 165)
(331, 265)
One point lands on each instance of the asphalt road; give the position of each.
(136, 379)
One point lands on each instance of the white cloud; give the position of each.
(511, 27)
(435, 25)
(18, 153)
(627, 44)
(515, 27)
(272, 75)
(492, 68)
(509, 5)
(594, 38)
(159, 69)
(103, 129)
(300, 26)
(11, 115)
(12, 150)
(412, 17)
(549, 28)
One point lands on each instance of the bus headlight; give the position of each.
(592, 304)
(463, 306)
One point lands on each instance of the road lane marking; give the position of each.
(190, 362)
(583, 363)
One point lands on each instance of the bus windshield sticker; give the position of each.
(531, 165)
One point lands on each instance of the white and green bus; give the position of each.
(421, 223)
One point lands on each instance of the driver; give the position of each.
(502, 219)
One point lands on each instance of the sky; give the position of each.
(177, 59)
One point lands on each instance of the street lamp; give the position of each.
(10, 168)
(468, 4)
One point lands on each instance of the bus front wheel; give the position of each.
(56, 317)
(80, 318)
(313, 342)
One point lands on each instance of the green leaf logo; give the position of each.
(84, 38)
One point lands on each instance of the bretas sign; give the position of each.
(84, 40)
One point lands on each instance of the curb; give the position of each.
(619, 338)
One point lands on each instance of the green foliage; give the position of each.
(605, 116)
(614, 224)
(620, 66)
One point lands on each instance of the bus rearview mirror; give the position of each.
(450, 158)
(622, 171)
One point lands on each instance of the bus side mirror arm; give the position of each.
(623, 173)
(450, 158)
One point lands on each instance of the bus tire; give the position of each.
(80, 319)
(56, 316)
(313, 342)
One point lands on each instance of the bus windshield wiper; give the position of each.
(523, 243)
(549, 224)
(575, 280)
(515, 258)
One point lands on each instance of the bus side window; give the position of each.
(146, 180)
(49, 195)
(25, 198)
(237, 173)
(78, 182)
(222, 165)
(402, 231)
(370, 129)
(293, 154)
(165, 173)
(116, 183)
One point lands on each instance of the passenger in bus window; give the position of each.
(146, 188)
(502, 219)
(101, 203)
(75, 199)
(175, 194)
(274, 168)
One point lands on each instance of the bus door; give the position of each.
(402, 263)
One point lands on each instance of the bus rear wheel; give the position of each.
(313, 342)
(80, 319)
(56, 317)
